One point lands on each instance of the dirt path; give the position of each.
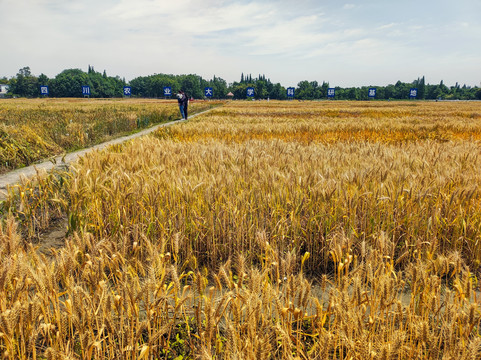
(15, 176)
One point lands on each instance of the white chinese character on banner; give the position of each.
(250, 91)
(208, 91)
(127, 90)
(290, 92)
(44, 90)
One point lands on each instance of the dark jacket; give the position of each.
(185, 99)
(180, 99)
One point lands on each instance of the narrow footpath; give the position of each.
(14, 177)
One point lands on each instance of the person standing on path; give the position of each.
(180, 100)
(185, 101)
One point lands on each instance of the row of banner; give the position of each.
(127, 91)
(209, 92)
(331, 92)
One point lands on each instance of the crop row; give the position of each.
(33, 130)
(230, 236)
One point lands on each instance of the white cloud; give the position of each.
(386, 26)
(142, 9)
(299, 40)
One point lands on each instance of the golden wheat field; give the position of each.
(35, 129)
(258, 230)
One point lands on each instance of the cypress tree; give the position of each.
(421, 88)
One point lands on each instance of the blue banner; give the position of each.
(127, 91)
(208, 92)
(413, 93)
(86, 90)
(372, 92)
(167, 91)
(291, 92)
(331, 92)
(44, 90)
(250, 91)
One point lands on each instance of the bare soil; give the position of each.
(54, 237)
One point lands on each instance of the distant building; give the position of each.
(3, 90)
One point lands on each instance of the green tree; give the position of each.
(389, 92)
(153, 86)
(421, 89)
(348, 93)
(443, 90)
(191, 84)
(261, 89)
(219, 87)
(156, 86)
(25, 71)
(305, 90)
(278, 92)
(43, 79)
(478, 94)
(240, 90)
(323, 90)
(104, 86)
(69, 83)
(24, 84)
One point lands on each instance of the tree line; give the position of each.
(69, 84)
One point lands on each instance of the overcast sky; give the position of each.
(346, 43)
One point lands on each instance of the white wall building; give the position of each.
(3, 90)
